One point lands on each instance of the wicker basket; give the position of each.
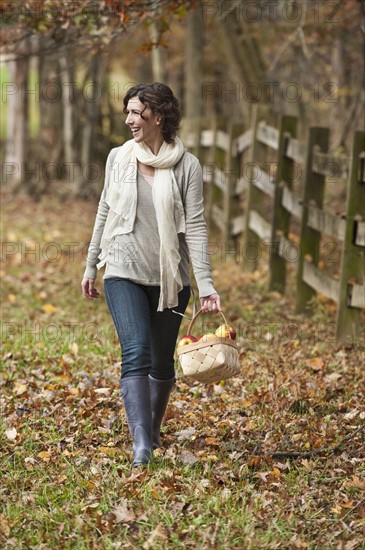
(211, 360)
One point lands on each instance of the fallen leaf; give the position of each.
(74, 348)
(50, 309)
(355, 481)
(254, 461)
(262, 476)
(4, 526)
(282, 466)
(351, 414)
(91, 506)
(212, 441)
(11, 298)
(155, 493)
(185, 434)
(187, 457)
(61, 479)
(11, 434)
(102, 391)
(316, 363)
(336, 509)
(350, 544)
(20, 388)
(107, 450)
(44, 455)
(64, 377)
(122, 512)
(307, 464)
(212, 457)
(333, 377)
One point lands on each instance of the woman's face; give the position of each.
(145, 129)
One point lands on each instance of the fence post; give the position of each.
(281, 217)
(218, 181)
(228, 185)
(210, 180)
(353, 255)
(313, 191)
(254, 195)
(232, 173)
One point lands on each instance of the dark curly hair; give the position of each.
(162, 102)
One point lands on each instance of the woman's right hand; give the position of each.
(88, 289)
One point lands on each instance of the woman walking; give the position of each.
(149, 223)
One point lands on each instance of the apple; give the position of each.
(186, 340)
(205, 337)
(226, 331)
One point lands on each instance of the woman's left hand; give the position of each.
(210, 303)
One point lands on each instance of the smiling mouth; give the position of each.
(135, 131)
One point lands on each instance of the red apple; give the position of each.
(186, 340)
(226, 331)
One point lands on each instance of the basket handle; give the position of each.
(191, 324)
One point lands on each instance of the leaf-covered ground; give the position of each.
(271, 459)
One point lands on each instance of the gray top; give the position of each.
(144, 244)
(136, 256)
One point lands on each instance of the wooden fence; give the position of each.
(281, 182)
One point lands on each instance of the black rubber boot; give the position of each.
(160, 393)
(137, 402)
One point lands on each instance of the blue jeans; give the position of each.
(147, 337)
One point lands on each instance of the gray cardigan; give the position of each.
(188, 175)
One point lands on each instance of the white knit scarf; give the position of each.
(122, 200)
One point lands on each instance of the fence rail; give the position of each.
(259, 167)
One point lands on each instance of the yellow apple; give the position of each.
(205, 337)
(226, 331)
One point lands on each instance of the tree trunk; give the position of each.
(17, 121)
(346, 94)
(245, 64)
(158, 56)
(193, 63)
(72, 166)
(193, 75)
(67, 102)
(51, 123)
(93, 96)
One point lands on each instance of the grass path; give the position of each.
(65, 448)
